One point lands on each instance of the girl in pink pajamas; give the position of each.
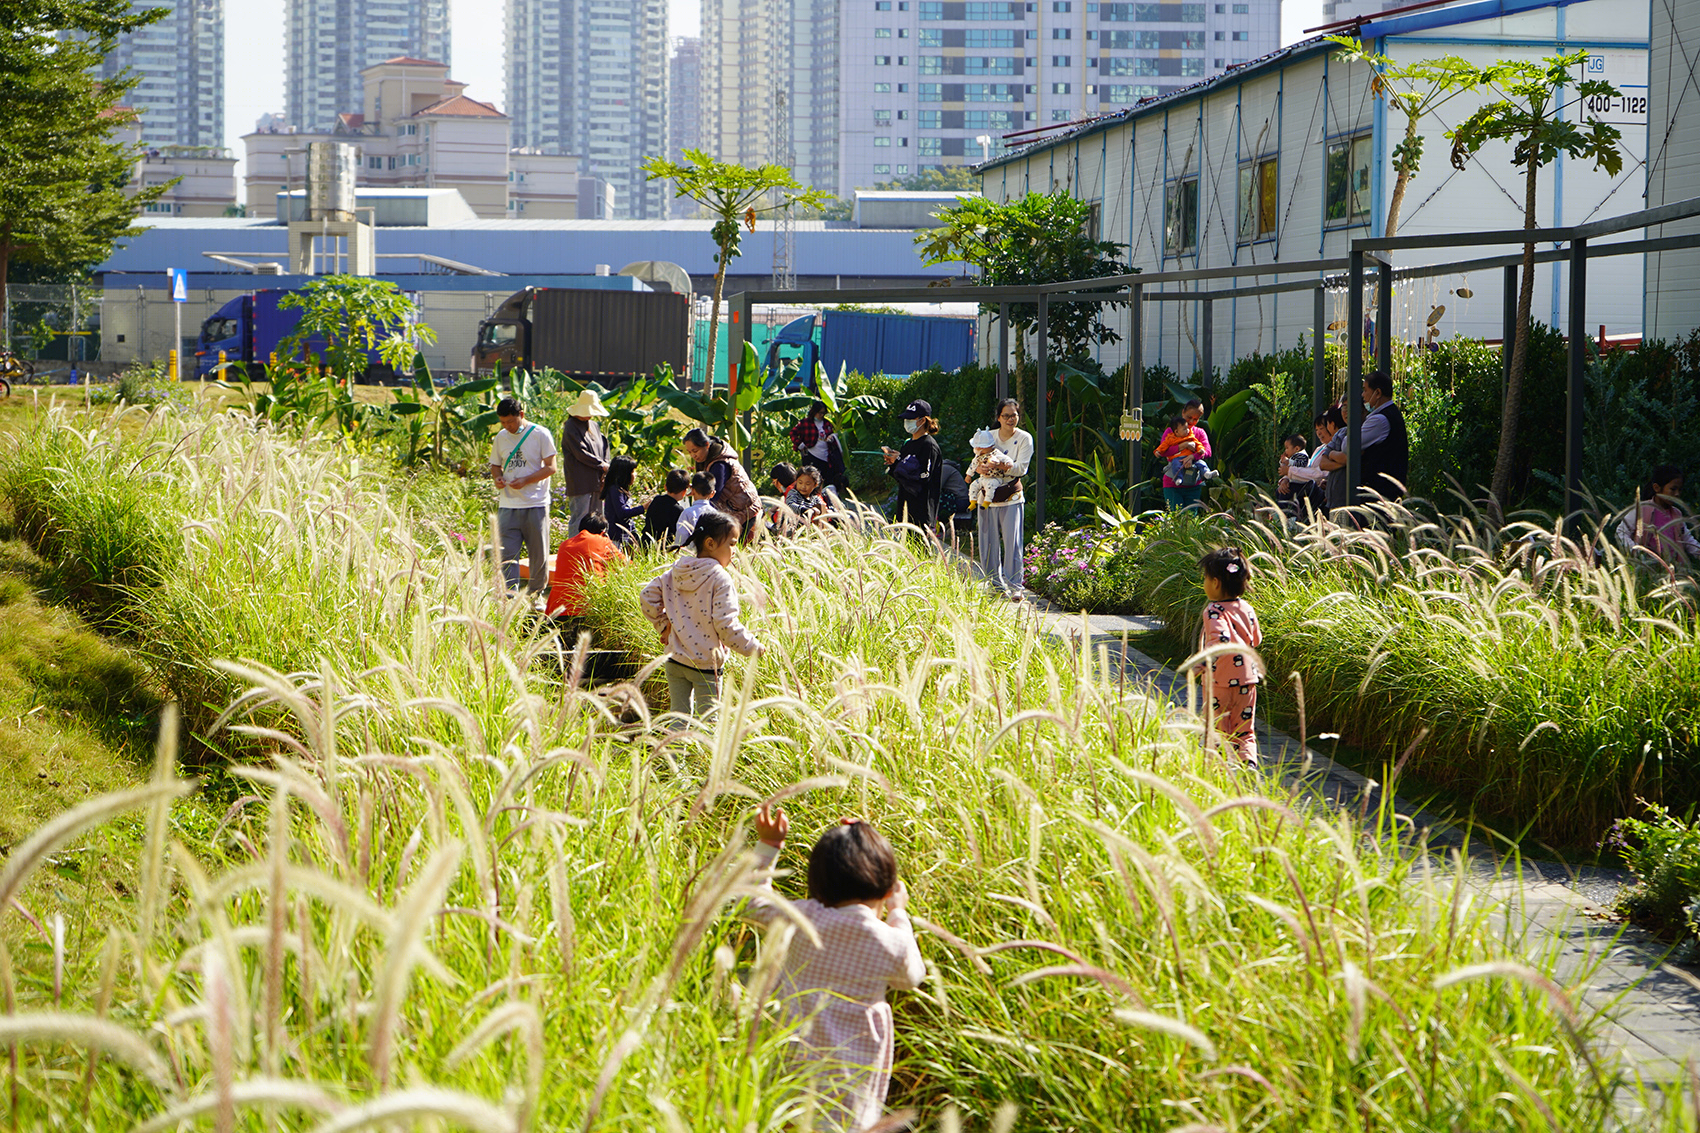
(1230, 620)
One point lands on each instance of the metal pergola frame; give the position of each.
(1368, 255)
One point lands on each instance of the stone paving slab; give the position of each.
(1554, 913)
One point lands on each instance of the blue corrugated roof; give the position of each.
(546, 247)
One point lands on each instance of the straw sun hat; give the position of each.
(587, 405)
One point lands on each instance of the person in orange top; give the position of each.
(585, 552)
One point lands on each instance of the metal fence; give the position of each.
(52, 323)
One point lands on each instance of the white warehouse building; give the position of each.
(1289, 158)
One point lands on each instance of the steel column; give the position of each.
(1041, 445)
(1576, 389)
(1355, 376)
(1136, 387)
(1207, 342)
(1384, 320)
(1319, 377)
(1003, 351)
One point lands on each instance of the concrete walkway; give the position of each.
(1651, 1009)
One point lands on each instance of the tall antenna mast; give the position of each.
(784, 154)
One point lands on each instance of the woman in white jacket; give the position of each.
(694, 607)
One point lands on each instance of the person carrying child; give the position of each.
(989, 471)
(1184, 470)
(834, 991)
(694, 607)
(1230, 620)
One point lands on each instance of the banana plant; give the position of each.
(728, 414)
(852, 415)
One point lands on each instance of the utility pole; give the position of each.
(784, 220)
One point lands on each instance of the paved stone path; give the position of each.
(1651, 1008)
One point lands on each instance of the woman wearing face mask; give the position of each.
(918, 468)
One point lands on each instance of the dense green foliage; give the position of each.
(1546, 691)
(455, 889)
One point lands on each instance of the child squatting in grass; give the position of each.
(835, 990)
(694, 607)
(1230, 620)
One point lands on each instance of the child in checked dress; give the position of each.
(1230, 620)
(836, 991)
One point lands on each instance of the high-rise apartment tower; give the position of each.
(327, 43)
(180, 61)
(590, 77)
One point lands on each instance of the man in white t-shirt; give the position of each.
(522, 459)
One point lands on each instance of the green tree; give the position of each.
(62, 173)
(1034, 239)
(1528, 109)
(356, 315)
(731, 194)
(1411, 89)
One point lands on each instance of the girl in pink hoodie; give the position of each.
(1230, 620)
(694, 607)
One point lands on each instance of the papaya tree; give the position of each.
(1538, 107)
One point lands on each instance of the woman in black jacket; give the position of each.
(918, 468)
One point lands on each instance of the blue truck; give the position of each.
(249, 329)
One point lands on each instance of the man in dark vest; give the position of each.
(1386, 460)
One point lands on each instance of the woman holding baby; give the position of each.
(1001, 457)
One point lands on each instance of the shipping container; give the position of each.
(604, 336)
(894, 344)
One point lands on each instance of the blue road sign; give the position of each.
(179, 284)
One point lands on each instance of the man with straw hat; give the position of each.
(586, 452)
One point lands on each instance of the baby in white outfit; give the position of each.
(990, 469)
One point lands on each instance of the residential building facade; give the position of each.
(590, 77)
(1290, 158)
(944, 82)
(327, 43)
(418, 129)
(205, 176)
(758, 55)
(180, 64)
(684, 117)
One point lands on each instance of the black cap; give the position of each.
(917, 408)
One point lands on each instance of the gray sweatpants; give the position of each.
(1000, 546)
(524, 525)
(691, 692)
(581, 506)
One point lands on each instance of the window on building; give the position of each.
(1347, 179)
(1061, 6)
(882, 142)
(1059, 116)
(1180, 216)
(882, 117)
(1059, 88)
(1217, 63)
(993, 37)
(929, 92)
(882, 5)
(882, 60)
(903, 60)
(930, 147)
(903, 171)
(1192, 67)
(932, 65)
(1192, 41)
(989, 65)
(931, 37)
(1242, 9)
(931, 10)
(991, 92)
(1153, 13)
(1218, 36)
(930, 120)
(989, 119)
(902, 33)
(992, 10)
(1062, 33)
(882, 88)
(882, 169)
(1060, 61)
(882, 33)
(1221, 8)
(1241, 36)
(1259, 196)
(902, 88)
(902, 115)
